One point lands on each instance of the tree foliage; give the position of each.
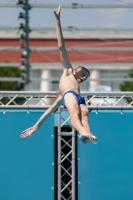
(11, 72)
(127, 86)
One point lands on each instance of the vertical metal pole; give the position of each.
(27, 39)
(73, 166)
(59, 153)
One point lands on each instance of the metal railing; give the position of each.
(36, 100)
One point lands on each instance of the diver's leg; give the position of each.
(75, 117)
(85, 122)
(74, 110)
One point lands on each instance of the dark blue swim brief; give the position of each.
(80, 99)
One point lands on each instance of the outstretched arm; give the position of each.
(63, 54)
(52, 108)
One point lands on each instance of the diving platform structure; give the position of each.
(66, 177)
(94, 100)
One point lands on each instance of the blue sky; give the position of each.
(71, 17)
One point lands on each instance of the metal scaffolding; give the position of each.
(66, 185)
(66, 161)
(37, 100)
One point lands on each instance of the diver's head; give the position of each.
(81, 74)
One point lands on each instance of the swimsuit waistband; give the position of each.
(70, 90)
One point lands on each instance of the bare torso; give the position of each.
(68, 82)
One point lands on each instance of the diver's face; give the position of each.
(80, 74)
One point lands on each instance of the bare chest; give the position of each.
(68, 82)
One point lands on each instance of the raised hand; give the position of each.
(28, 132)
(57, 14)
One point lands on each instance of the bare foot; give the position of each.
(87, 137)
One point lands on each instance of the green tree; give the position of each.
(127, 86)
(11, 72)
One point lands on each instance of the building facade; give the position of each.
(106, 54)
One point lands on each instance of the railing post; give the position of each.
(59, 154)
(73, 164)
